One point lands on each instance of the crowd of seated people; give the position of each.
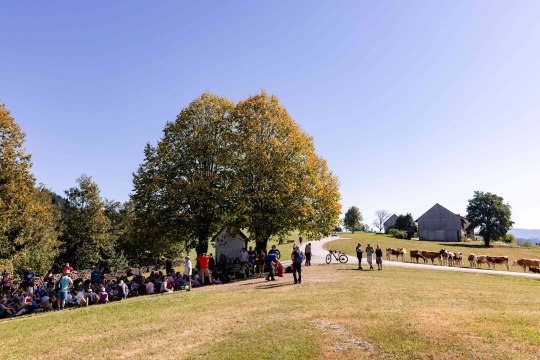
(32, 294)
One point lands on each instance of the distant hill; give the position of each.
(533, 235)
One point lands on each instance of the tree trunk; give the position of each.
(202, 246)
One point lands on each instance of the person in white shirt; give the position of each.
(188, 269)
(81, 298)
(123, 289)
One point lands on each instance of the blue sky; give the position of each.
(411, 102)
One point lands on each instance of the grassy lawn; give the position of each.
(348, 245)
(337, 313)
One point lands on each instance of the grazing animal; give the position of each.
(534, 269)
(443, 257)
(416, 254)
(492, 260)
(399, 252)
(431, 255)
(481, 259)
(527, 263)
(458, 259)
(472, 261)
(449, 258)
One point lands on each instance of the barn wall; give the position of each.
(439, 224)
(229, 245)
(390, 222)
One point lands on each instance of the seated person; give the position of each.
(92, 297)
(5, 310)
(103, 296)
(81, 297)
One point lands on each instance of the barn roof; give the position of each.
(394, 216)
(433, 207)
(230, 230)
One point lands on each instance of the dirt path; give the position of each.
(319, 257)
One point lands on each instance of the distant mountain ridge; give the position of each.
(526, 233)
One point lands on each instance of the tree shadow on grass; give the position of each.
(273, 285)
(465, 245)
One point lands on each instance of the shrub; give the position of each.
(526, 243)
(508, 239)
(398, 234)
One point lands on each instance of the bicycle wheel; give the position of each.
(343, 258)
(328, 259)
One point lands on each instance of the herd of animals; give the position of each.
(448, 258)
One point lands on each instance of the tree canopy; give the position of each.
(353, 219)
(283, 184)
(28, 221)
(488, 212)
(87, 239)
(186, 182)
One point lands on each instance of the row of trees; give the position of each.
(247, 165)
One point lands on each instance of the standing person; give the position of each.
(123, 289)
(95, 275)
(308, 254)
(243, 261)
(203, 260)
(300, 239)
(378, 257)
(67, 268)
(271, 260)
(188, 270)
(29, 278)
(63, 285)
(211, 263)
(297, 258)
(260, 262)
(275, 250)
(168, 266)
(359, 255)
(252, 256)
(369, 255)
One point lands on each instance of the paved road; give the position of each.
(319, 257)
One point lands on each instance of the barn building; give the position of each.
(389, 223)
(440, 224)
(229, 243)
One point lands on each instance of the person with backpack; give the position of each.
(62, 286)
(297, 258)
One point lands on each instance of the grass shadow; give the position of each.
(273, 285)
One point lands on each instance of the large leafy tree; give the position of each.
(488, 212)
(87, 239)
(405, 223)
(184, 188)
(28, 221)
(283, 184)
(353, 219)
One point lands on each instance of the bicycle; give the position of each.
(338, 255)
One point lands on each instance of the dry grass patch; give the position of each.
(337, 312)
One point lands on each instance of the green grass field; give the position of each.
(514, 252)
(337, 313)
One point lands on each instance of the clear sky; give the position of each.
(411, 102)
